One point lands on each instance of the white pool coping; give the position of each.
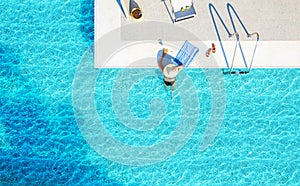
(269, 54)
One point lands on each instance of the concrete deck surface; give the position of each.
(276, 21)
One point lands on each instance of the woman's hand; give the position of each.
(178, 68)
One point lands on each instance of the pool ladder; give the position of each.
(230, 69)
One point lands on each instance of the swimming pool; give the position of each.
(42, 143)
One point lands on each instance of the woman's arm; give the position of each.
(160, 65)
(179, 68)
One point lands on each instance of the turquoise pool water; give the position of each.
(41, 46)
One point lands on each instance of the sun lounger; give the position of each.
(183, 9)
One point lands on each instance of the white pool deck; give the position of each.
(276, 21)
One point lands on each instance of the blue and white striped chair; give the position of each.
(186, 54)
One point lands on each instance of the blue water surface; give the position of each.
(41, 46)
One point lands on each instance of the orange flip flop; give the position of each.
(213, 46)
(207, 54)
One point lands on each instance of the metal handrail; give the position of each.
(230, 7)
(230, 35)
